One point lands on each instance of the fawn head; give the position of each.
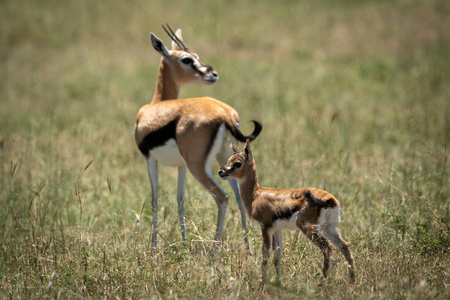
(238, 164)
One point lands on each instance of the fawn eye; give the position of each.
(187, 60)
(237, 165)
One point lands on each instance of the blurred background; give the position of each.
(354, 97)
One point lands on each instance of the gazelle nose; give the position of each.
(212, 71)
(222, 173)
(212, 75)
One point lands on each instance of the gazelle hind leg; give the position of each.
(209, 183)
(311, 232)
(199, 164)
(330, 231)
(235, 186)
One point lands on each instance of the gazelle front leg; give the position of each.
(182, 171)
(152, 167)
(277, 248)
(267, 240)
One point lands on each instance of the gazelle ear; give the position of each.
(159, 46)
(248, 151)
(180, 37)
(233, 146)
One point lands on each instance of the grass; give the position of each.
(354, 97)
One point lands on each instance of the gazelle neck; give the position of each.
(248, 186)
(166, 87)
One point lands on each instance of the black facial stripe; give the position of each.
(197, 70)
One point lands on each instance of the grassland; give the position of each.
(354, 97)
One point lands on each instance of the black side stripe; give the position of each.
(313, 201)
(284, 214)
(159, 137)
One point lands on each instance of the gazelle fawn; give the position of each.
(313, 211)
(187, 133)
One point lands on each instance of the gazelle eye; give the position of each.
(187, 60)
(237, 165)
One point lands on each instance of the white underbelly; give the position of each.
(168, 154)
(286, 224)
(282, 224)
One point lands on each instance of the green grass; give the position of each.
(354, 97)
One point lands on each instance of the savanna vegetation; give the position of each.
(354, 97)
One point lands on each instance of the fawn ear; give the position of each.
(233, 146)
(248, 151)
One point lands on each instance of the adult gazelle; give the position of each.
(187, 133)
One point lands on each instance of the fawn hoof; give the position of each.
(262, 286)
(352, 277)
